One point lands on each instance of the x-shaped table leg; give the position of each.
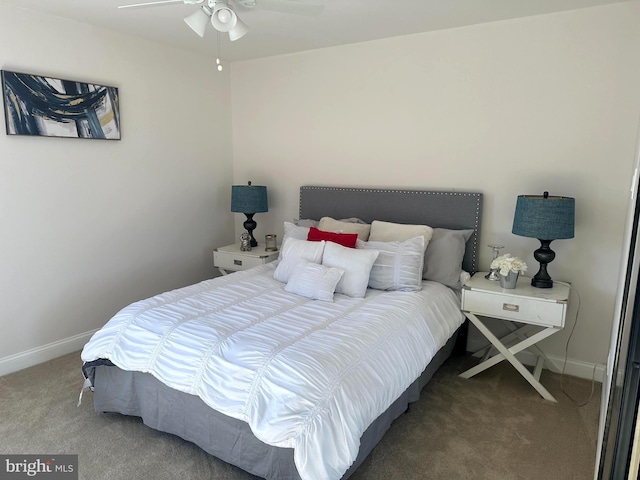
(510, 355)
(514, 333)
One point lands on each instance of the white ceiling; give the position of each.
(273, 33)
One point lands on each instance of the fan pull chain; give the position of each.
(218, 61)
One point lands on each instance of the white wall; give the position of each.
(89, 226)
(515, 107)
(520, 106)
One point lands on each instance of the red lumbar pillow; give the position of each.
(344, 239)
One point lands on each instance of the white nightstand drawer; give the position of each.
(229, 261)
(515, 308)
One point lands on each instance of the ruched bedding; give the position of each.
(304, 374)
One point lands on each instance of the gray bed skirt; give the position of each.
(187, 416)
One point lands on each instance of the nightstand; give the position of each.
(539, 310)
(231, 259)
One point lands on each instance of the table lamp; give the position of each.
(546, 218)
(249, 199)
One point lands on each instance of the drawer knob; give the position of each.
(237, 262)
(511, 307)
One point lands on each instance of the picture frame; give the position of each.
(51, 107)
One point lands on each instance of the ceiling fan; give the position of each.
(224, 18)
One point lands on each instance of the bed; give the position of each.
(278, 384)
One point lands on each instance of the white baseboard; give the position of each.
(578, 368)
(47, 352)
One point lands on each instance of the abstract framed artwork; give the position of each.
(51, 107)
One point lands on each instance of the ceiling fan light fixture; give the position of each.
(239, 31)
(198, 21)
(223, 18)
(224, 15)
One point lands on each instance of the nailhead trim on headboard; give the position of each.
(456, 210)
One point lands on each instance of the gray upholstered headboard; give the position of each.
(441, 209)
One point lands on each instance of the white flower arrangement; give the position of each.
(507, 263)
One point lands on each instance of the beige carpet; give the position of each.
(491, 427)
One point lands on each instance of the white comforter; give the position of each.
(305, 374)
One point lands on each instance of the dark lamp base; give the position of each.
(544, 255)
(541, 282)
(250, 225)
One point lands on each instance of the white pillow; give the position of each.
(314, 281)
(356, 265)
(329, 224)
(398, 232)
(294, 252)
(398, 266)
(294, 231)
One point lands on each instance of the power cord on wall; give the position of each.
(566, 356)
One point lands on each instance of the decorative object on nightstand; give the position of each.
(536, 313)
(249, 199)
(232, 258)
(508, 268)
(493, 273)
(510, 280)
(271, 243)
(245, 242)
(546, 218)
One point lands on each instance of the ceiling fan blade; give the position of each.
(160, 2)
(298, 7)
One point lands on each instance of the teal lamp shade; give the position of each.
(249, 199)
(546, 218)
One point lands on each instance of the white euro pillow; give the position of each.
(356, 265)
(314, 281)
(398, 266)
(398, 232)
(295, 251)
(295, 231)
(329, 224)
